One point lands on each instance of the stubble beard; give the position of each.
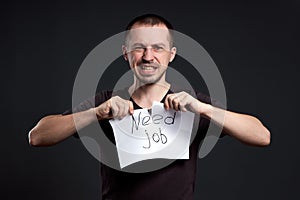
(149, 80)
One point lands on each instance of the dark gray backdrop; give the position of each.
(255, 45)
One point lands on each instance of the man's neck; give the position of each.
(146, 94)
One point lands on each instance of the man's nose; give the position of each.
(148, 54)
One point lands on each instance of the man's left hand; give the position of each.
(183, 101)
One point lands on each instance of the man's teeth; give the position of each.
(147, 68)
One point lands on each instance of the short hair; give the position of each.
(151, 19)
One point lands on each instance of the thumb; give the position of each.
(108, 106)
(131, 109)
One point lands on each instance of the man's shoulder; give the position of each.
(104, 95)
(201, 96)
(197, 94)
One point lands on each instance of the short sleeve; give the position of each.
(95, 101)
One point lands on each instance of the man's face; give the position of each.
(148, 52)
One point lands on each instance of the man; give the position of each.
(149, 49)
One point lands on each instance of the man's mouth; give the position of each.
(149, 66)
(148, 69)
(143, 67)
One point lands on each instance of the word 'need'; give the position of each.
(146, 120)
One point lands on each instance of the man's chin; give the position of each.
(149, 80)
(145, 81)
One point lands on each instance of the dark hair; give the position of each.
(151, 19)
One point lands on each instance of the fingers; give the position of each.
(107, 107)
(173, 102)
(131, 109)
(115, 107)
(120, 107)
(178, 101)
(184, 103)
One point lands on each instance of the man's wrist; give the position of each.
(206, 110)
(94, 111)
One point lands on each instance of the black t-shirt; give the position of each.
(175, 181)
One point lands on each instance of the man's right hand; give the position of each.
(115, 107)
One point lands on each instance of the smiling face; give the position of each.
(148, 52)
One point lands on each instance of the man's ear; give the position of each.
(173, 53)
(124, 52)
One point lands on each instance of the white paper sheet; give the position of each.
(161, 134)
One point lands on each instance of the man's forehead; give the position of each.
(138, 25)
(148, 33)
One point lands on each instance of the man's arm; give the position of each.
(53, 129)
(245, 128)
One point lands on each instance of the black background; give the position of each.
(254, 44)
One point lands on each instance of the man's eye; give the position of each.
(158, 48)
(138, 48)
